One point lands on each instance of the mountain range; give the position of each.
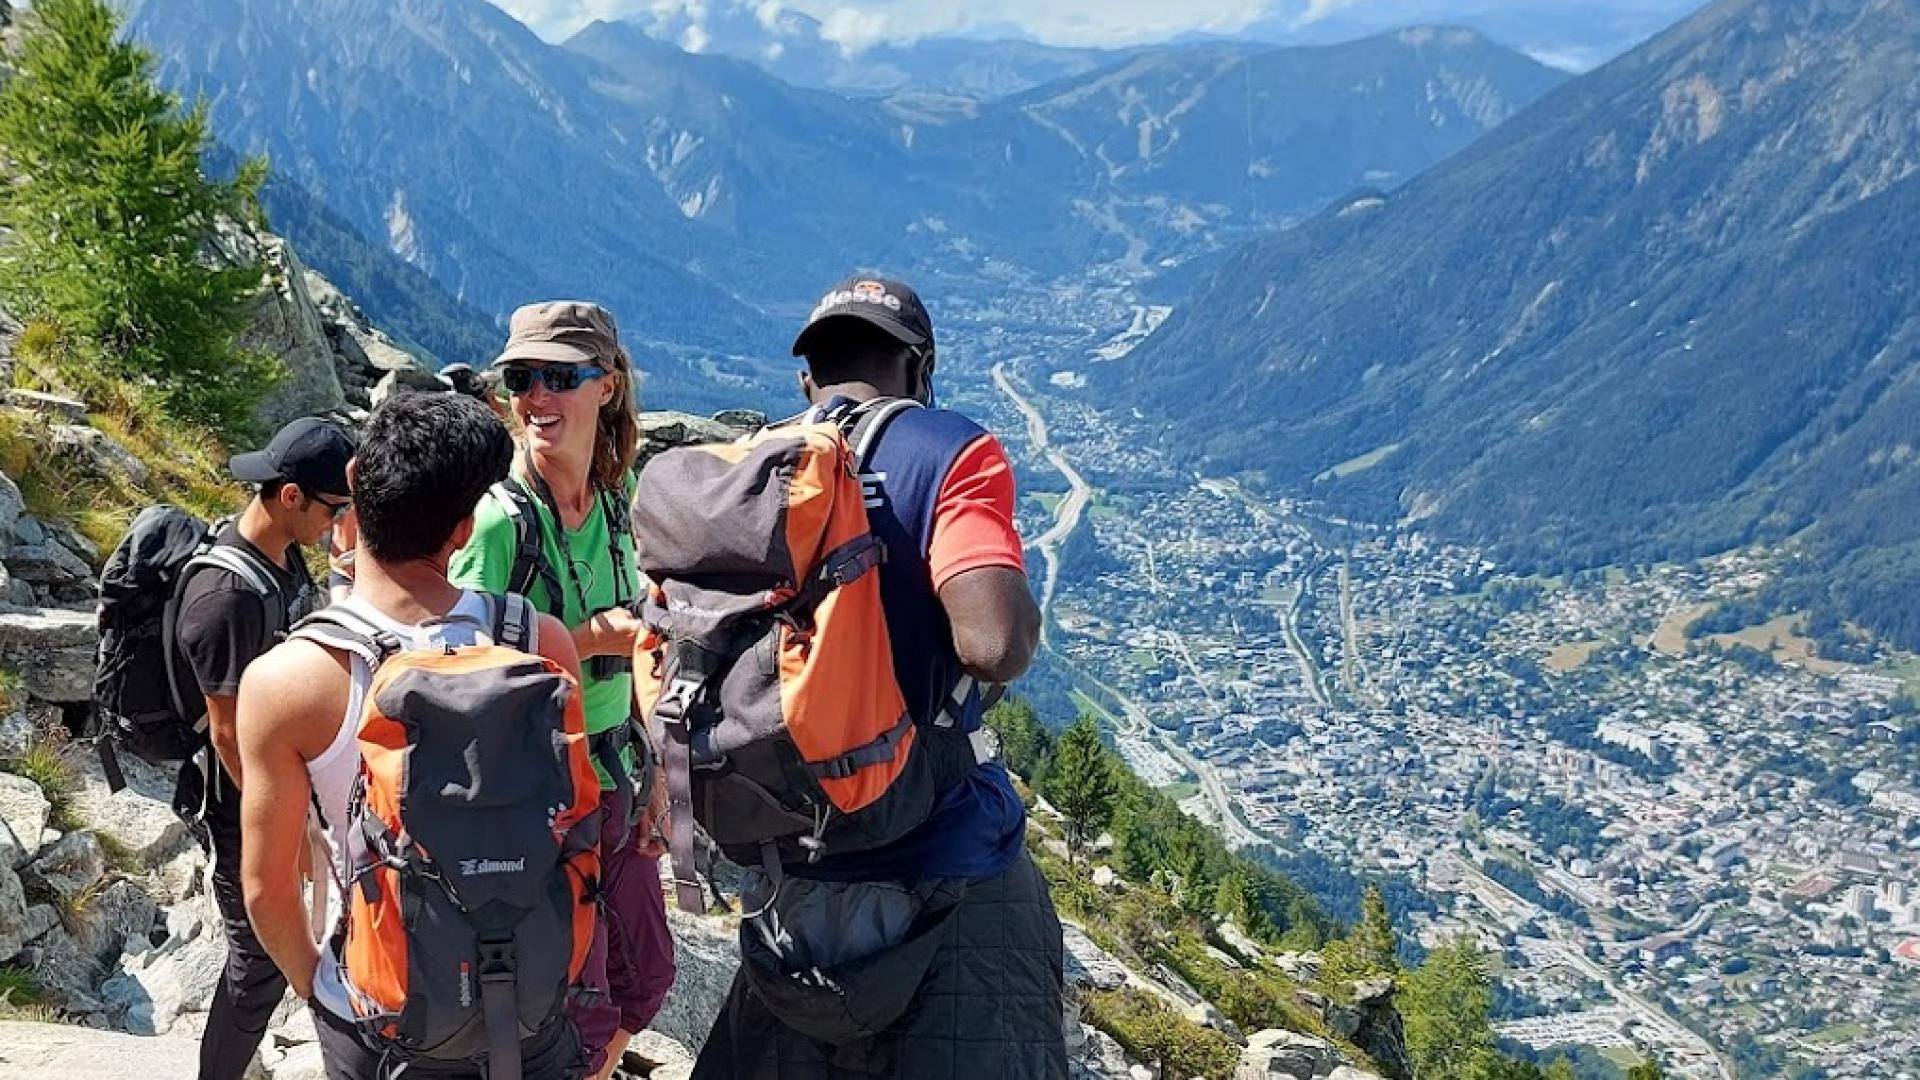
(1575, 34)
(794, 47)
(708, 202)
(858, 57)
(1668, 309)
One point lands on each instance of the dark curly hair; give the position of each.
(423, 463)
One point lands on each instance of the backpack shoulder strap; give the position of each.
(512, 621)
(341, 628)
(234, 561)
(864, 425)
(613, 506)
(211, 557)
(529, 553)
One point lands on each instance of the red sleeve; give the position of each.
(973, 516)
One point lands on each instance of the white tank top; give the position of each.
(333, 773)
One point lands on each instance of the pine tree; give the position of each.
(1081, 784)
(1195, 891)
(1025, 745)
(1561, 1069)
(1373, 939)
(1494, 1065)
(1646, 1070)
(1446, 1004)
(1239, 900)
(112, 217)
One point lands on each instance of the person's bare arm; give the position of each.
(555, 642)
(996, 624)
(291, 703)
(222, 731)
(610, 633)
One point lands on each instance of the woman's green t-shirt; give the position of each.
(487, 561)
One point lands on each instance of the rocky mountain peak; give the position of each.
(1609, 327)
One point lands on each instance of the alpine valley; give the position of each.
(1443, 473)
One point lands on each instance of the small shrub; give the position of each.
(1151, 1032)
(77, 909)
(12, 690)
(18, 986)
(48, 760)
(120, 857)
(20, 998)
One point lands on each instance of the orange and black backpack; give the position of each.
(771, 690)
(472, 865)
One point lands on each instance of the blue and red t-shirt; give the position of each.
(940, 495)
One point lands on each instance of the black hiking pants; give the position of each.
(987, 1008)
(251, 986)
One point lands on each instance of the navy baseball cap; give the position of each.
(891, 305)
(310, 453)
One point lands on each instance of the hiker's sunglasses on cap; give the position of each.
(559, 378)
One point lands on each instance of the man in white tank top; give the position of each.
(422, 466)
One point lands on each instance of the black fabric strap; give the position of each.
(607, 748)
(110, 763)
(498, 975)
(678, 759)
(878, 752)
(618, 527)
(529, 553)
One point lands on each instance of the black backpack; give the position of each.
(145, 697)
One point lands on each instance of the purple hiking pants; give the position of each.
(631, 961)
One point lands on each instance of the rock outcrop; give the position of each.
(78, 1053)
(333, 355)
(364, 356)
(51, 649)
(1291, 1055)
(666, 430)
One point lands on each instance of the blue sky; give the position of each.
(1577, 28)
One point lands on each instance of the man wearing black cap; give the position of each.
(232, 611)
(986, 999)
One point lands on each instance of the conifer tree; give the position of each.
(1373, 939)
(1646, 1070)
(112, 217)
(1025, 745)
(1446, 1005)
(1080, 783)
(1561, 1069)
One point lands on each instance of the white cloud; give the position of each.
(1320, 9)
(856, 25)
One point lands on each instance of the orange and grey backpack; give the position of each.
(472, 865)
(771, 690)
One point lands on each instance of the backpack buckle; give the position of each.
(674, 705)
(497, 962)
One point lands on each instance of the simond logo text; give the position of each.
(478, 867)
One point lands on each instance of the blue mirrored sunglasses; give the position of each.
(559, 378)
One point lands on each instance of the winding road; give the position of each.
(1290, 632)
(1067, 518)
(1135, 718)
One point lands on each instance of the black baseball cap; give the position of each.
(309, 453)
(891, 305)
